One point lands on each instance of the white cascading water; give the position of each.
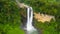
(29, 19)
(30, 29)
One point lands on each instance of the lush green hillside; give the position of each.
(10, 18)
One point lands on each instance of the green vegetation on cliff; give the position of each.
(10, 18)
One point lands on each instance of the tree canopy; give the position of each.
(10, 17)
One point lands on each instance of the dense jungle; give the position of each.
(10, 16)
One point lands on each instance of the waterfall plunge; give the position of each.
(30, 29)
(30, 19)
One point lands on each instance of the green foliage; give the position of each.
(45, 6)
(10, 17)
(47, 27)
(15, 30)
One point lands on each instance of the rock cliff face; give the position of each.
(43, 17)
(40, 17)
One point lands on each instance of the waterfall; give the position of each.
(29, 27)
(29, 19)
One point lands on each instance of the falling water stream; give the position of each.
(29, 27)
